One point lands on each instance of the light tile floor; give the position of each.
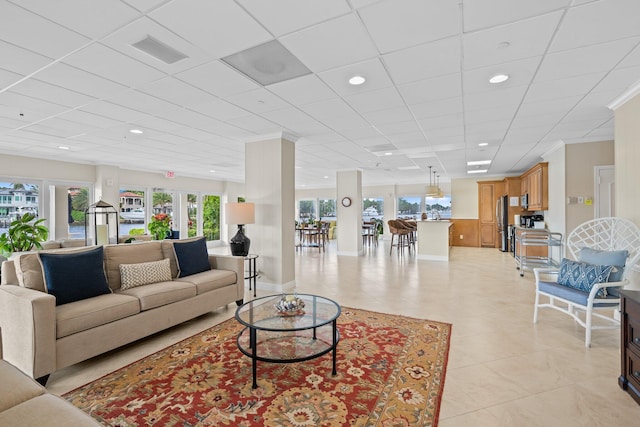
(503, 370)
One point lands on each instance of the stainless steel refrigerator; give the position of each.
(502, 219)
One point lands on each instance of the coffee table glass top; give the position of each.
(261, 313)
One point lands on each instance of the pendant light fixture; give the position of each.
(431, 189)
(440, 192)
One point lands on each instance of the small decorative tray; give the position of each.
(290, 305)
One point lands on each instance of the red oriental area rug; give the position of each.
(391, 372)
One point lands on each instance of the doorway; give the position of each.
(604, 190)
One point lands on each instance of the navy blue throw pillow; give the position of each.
(74, 276)
(192, 257)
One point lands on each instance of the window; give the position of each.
(409, 207)
(327, 209)
(16, 199)
(132, 212)
(372, 208)
(438, 207)
(192, 215)
(78, 202)
(211, 217)
(307, 210)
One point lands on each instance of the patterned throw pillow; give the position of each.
(583, 276)
(144, 273)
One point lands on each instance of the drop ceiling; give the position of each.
(71, 77)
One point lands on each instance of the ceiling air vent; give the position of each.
(159, 50)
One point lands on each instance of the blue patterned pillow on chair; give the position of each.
(582, 276)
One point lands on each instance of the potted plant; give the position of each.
(24, 234)
(160, 226)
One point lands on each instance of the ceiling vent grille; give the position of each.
(159, 50)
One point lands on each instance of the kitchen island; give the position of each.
(434, 239)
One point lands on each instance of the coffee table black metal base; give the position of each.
(308, 335)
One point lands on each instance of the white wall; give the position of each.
(555, 217)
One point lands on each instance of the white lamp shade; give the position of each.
(240, 213)
(431, 190)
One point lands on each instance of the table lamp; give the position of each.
(241, 214)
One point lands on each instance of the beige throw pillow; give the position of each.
(144, 273)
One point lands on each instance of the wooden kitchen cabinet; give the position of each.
(488, 193)
(535, 183)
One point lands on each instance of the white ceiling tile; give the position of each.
(110, 64)
(303, 90)
(431, 89)
(372, 70)
(97, 121)
(397, 24)
(331, 44)
(590, 59)
(113, 111)
(619, 80)
(295, 120)
(81, 81)
(29, 31)
(123, 40)
(561, 88)
(255, 124)
(92, 19)
(375, 100)
(7, 78)
(219, 109)
(446, 120)
(335, 114)
(631, 60)
(508, 96)
(560, 105)
(424, 61)
(598, 22)
(221, 27)
(173, 90)
(141, 102)
(520, 73)
(20, 60)
(144, 5)
(525, 39)
(436, 109)
(276, 17)
(389, 115)
(487, 114)
(218, 79)
(257, 101)
(25, 103)
(48, 92)
(478, 14)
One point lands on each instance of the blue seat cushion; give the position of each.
(582, 275)
(571, 294)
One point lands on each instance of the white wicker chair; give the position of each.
(603, 234)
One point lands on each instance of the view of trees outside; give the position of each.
(163, 203)
(440, 205)
(372, 208)
(409, 207)
(192, 214)
(211, 217)
(78, 198)
(307, 210)
(16, 199)
(327, 209)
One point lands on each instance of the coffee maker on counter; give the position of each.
(532, 221)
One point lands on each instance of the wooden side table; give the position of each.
(253, 271)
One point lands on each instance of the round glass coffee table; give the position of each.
(272, 336)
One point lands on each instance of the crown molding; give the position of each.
(627, 95)
(275, 135)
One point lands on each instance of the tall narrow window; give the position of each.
(327, 209)
(78, 202)
(211, 217)
(307, 210)
(192, 214)
(132, 212)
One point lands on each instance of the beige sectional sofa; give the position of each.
(41, 337)
(24, 402)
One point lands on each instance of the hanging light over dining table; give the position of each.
(432, 189)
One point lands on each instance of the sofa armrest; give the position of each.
(233, 263)
(28, 322)
(8, 273)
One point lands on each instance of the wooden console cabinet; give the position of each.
(629, 379)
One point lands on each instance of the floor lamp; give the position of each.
(241, 214)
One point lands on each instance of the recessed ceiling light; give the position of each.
(388, 154)
(478, 162)
(503, 45)
(499, 78)
(136, 131)
(212, 171)
(483, 144)
(478, 171)
(62, 147)
(325, 177)
(357, 80)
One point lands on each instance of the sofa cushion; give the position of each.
(46, 410)
(162, 293)
(89, 313)
(29, 269)
(192, 256)
(114, 255)
(616, 258)
(74, 276)
(582, 276)
(144, 273)
(15, 388)
(209, 280)
(571, 294)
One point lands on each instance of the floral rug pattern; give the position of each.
(390, 372)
